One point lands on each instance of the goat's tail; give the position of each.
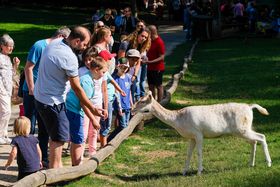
(260, 109)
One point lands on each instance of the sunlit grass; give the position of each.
(228, 73)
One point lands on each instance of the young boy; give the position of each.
(75, 114)
(123, 79)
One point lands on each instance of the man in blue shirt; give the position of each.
(58, 65)
(31, 73)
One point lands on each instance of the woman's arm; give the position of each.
(16, 62)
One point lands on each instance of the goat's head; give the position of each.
(144, 104)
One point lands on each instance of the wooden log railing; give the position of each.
(50, 176)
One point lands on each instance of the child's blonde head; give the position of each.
(22, 126)
(98, 63)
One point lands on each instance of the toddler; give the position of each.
(26, 148)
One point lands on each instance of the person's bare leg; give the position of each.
(76, 153)
(55, 154)
(103, 140)
(159, 93)
(152, 89)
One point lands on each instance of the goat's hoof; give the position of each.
(269, 164)
(185, 172)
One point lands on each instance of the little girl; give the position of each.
(26, 148)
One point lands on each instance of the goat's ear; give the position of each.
(150, 95)
(150, 92)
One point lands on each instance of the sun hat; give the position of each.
(133, 53)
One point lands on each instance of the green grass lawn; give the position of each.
(27, 25)
(221, 71)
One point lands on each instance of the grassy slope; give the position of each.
(26, 26)
(222, 71)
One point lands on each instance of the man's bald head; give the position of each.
(79, 32)
(79, 39)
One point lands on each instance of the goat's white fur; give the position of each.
(209, 121)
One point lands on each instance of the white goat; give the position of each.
(209, 121)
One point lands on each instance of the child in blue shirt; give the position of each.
(124, 81)
(25, 147)
(75, 111)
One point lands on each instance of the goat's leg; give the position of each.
(254, 136)
(199, 142)
(265, 148)
(189, 155)
(253, 152)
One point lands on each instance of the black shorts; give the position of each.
(155, 77)
(55, 120)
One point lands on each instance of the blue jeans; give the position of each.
(142, 81)
(106, 124)
(123, 123)
(29, 110)
(31, 113)
(135, 90)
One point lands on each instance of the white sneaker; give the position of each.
(8, 140)
(2, 141)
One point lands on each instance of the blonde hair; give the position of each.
(100, 35)
(22, 126)
(133, 40)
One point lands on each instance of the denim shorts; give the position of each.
(155, 77)
(55, 120)
(76, 127)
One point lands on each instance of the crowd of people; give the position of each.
(260, 19)
(74, 82)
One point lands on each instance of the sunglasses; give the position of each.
(100, 26)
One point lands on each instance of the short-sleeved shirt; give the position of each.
(73, 102)
(157, 48)
(58, 62)
(6, 75)
(34, 57)
(124, 46)
(110, 87)
(97, 99)
(28, 159)
(124, 83)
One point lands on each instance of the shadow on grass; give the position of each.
(152, 176)
(44, 16)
